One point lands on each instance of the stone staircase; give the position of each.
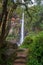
(21, 57)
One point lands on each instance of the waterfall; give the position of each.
(22, 26)
(22, 29)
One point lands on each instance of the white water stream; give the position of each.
(22, 25)
(22, 29)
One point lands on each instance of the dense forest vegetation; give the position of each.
(11, 10)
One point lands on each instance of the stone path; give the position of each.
(21, 57)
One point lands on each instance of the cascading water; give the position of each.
(22, 29)
(22, 25)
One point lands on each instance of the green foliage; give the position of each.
(10, 37)
(34, 43)
(35, 54)
(36, 22)
(28, 40)
(38, 2)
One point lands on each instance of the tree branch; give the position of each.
(24, 4)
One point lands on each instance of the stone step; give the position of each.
(21, 54)
(19, 64)
(21, 50)
(20, 60)
(20, 57)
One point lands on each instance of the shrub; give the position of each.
(27, 41)
(35, 54)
